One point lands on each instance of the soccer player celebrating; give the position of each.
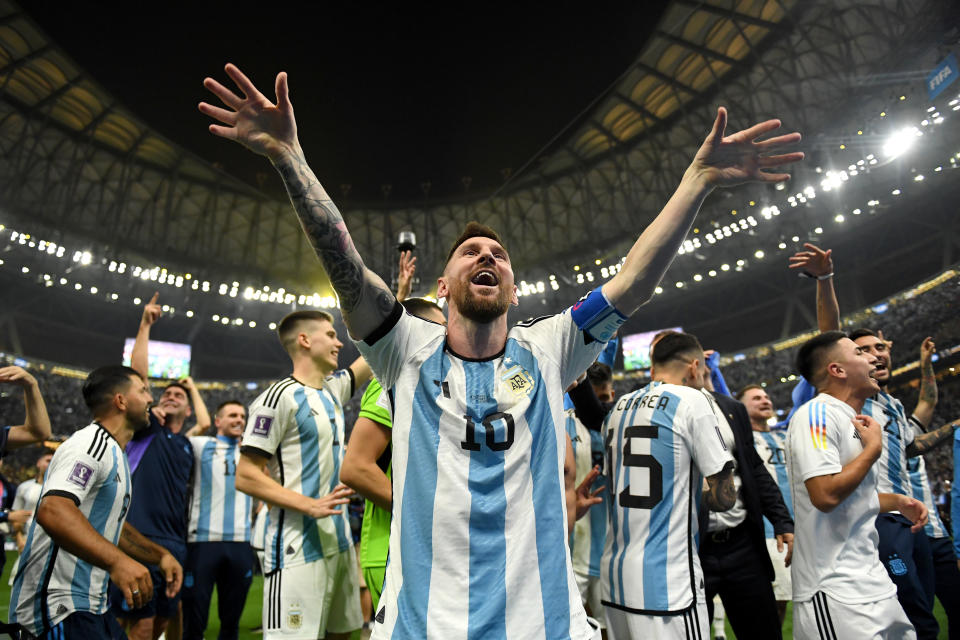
(478, 538)
(771, 446)
(291, 457)
(218, 536)
(662, 441)
(79, 540)
(840, 587)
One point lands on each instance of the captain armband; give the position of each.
(596, 317)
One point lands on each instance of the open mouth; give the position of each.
(485, 278)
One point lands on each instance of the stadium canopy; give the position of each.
(76, 164)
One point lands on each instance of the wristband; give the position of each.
(595, 316)
(806, 274)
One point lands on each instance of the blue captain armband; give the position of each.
(596, 317)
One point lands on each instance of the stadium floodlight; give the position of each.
(273, 326)
(658, 290)
(900, 142)
(697, 277)
(758, 254)
(839, 218)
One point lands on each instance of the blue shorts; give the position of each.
(160, 606)
(82, 625)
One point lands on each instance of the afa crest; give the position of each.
(295, 617)
(517, 381)
(897, 566)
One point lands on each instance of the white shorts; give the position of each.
(690, 625)
(782, 584)
(824, 618)
(309, 600)
(589, 587)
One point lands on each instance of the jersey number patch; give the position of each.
(490, 427)
(627, 498)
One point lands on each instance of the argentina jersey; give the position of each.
(661, 442)
(218, 512)
(478, 535)
(90, 469)
(590, 531)
(893, 476)
(300, 430)
(772, 447)
(920, 489)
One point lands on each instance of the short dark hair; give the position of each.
(290, 323)
(45, 451)
(178, 386)
(860, 333)
(228, 402)
(474, 230)
(102, 383)
(599, 374)
(418, 306)
(744, 390)
(674, 344)
(811, 354)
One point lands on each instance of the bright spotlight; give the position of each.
(900, 142)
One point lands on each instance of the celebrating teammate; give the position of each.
(290, 458)
(218, 536)
(662, 441)
(478, 437)
(79, 539)
(840, 587)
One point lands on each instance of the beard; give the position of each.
(139, 421)
(481, 310)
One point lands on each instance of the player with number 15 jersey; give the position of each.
(662, 441)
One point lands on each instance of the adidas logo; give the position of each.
(290, 550)
(61, 610)
(381, 615)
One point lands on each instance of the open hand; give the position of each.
(814, 260)
(724, 161)
(265, 128)
(585, 497)
(406, 268)
(327, 505)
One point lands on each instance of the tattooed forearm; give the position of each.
(928, 383)
(135, 545)
(721, 493)
(922, 444)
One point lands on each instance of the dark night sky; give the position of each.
(394, 95)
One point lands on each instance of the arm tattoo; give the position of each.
(928, 383)
(922, 444)
(328, 235)
(722, 493)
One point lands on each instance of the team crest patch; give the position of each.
(517, 380)
(897, 566)
(295, 617)
(261, 426)
(81, 475)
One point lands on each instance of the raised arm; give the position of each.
(929, 393)
(817, 263)
(270, 130)
(199, 408)
(721, 161)
(36, 424)
(139, 360)
(406, 268)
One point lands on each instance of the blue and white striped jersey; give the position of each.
(662, 441)
(772, 448)
(478, 536)
(920, 489)
(590, 531)
(218, 512)
(300, 430)
(893, 476)
(91, 469)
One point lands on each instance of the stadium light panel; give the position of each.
(899, 142)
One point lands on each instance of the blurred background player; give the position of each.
(161, 461)
(290, 458)
(840, 587)
(218, 536)
(652, 583)
(79, 539)
(28, 495)
(771, 446)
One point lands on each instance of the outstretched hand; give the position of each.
(406, 268)
(724, 161)
(254, 121)
(585, 497)
(814, 260)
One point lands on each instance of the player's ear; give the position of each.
(835, 369)
(514, 300)
(303, 340)
(442, 290)
(120, 402)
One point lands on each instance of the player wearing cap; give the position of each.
(478, 439)
(840, 587)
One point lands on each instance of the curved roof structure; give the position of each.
(77, 163)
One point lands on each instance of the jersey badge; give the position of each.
(897, 566)
(295, 616)
(517, 380)
(81, 475)
(261, 427)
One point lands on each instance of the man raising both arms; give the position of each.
(290, 458)
(478, 437)
(840, 588)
